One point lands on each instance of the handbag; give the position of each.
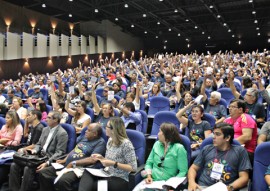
(32, 161)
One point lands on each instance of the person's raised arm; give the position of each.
(97, 109)
(235, 93)
(203, 89)
(70, 111)
(181, 112)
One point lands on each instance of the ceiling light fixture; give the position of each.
(158, 23)
(70, 15)
(224, 24)
(156, 36)
(160, 0)
(44, 5)
(211, 6)
(132, 26)
(195, 27)
(209, 37)
(170, 29)
(96, 10)
(239, 42)
(187, 20)
(186, 39)
(164, 47)
(259, 34)
(203, 32)
(176, 11)
(257, 28)
(145, 32)
(116, 19)
(250, 1)
(126, 5)
(253, 12)
(165, 41)
(233, 36)
(256, 21)
(229, 30)
(70, 0)
(144, 15)
(218, 16)
(188, 45)
(179, 34)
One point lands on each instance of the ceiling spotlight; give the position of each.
(158, 23)
(126, 5)
(70, 0)
(259, 34)
(257, 28)
(156, 36)
(239, 42)
(256, 21)
(160, 0)
(145, 32)
(170, 29)
(179, 34)
(44, 5)
(70, 15)
(209, 37)
(253, 12)
(144, 15)
(203, 32)
(224, 24)
(188, 45)
(176, 11)
(218, 16)
(187, 20)
(250, 1)
(233, 36)
(195, 27)
(132, 26)
(211, 6)
(186, 39)
(164, 47)
(116, 19)
(96, 10)
(268, 40)
(165, 41)
(229, 30)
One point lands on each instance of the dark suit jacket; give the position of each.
(58, 144)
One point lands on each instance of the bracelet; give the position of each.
(115, 165)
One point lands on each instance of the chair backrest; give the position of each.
(44, 123)
(117, 97)
(25, 105)
(90, 112)
(207, 117)
(116, 112)
(243, 92)
(45, 93)
(261, 162)
(103, 135)
(71, 136)
(49, 108)
(161, 117)
(98, 99)
(23, 140)
(157, 104)
(144, 121)
(30, 91)
(209, 141)
(99, 92)
(138, 140)
(2, 122)
(222, 101)
(142, 103)
(226, 93)
(186, 144)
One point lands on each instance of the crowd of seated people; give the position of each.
(95, 94)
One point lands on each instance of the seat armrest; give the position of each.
(134, 177)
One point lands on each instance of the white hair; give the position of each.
(216, 95)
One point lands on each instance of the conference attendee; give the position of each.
(267, 177)
(220, 161)
(80, 118)
(253, 108)
(33, 128)
(264, 134)
(131, 118)
(198, 128)
(37, 94)
(90, 143)
(117, 90)
(245, 128)
(119, 160)
(9, 99)
(155, 92)
(168, 157)
(52, 143)
(17, 105)
(212, 105)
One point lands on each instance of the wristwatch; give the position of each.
(115, 165)
(231, 187)
(73, 164)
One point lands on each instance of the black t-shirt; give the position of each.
(256, 109)
(34, 134)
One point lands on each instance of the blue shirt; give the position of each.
(134, 117)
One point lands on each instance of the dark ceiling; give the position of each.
(187, 21)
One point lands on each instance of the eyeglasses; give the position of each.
(161, 163)
(48, 117)
(105, 91)
(232, 107)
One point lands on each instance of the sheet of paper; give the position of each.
(198, 99)
(155, 184)
(97, 172)
(175, 181)
(93, 79)
(57, 166)
(110, 95)
(71, 90)
(102, 185)
(218, 186)
(53, 78)
(7, 155)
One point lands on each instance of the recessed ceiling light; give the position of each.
(116, 19)
(175, 10)
(209, 37)
(144, 15)
(70, 0)
(195, 27)
(96, 10)
(132, 26)
(224, 24)
(145, 32)
(165, 41)
(44, 5)
(156, 36)
(218, 16)
(250, 1)
(188, 45)
(70, 15)
(164, 47)
(233, 36)
(239, 42)
(211, 6)
(229, 30)
(256, 21)
(160, 0)
(259, 34)
(179, 34)
(202, 32)
(158, 23)
(186, 39)
(253, 12)
(257, 28)
(268, 40)
(187, 20)
(169, 29)
(126, 5)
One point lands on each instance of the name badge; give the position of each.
(217, 171)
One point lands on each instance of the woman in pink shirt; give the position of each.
(11, 133)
